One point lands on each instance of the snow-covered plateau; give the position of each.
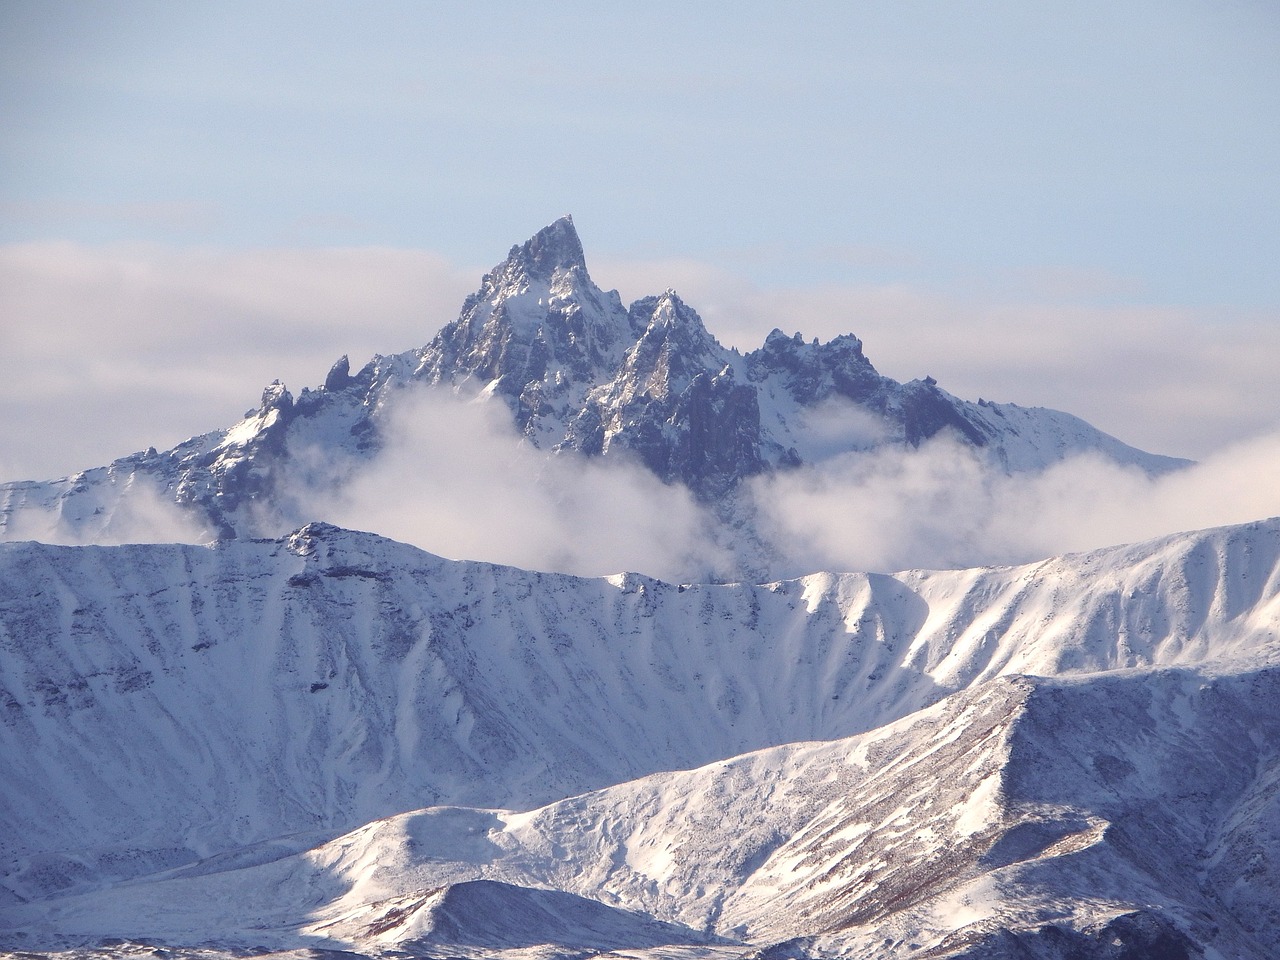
(335, 742)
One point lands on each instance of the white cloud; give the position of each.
(134, 512)
(944, 506)
(454, 478)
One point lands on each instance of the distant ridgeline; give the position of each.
(582, 372)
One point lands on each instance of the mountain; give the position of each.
(964, 831)
(327, 743)
(214, 747)
(580, 372)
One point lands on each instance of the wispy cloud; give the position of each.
(456, 479)
(944, 506)
(134, 512)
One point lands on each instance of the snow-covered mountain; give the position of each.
(579, 371)
(1026, 817)
(215, 745)
(331, 741)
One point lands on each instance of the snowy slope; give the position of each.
(1090, 812)
(163, 703)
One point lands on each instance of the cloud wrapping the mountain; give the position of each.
(944, 506)
(140, 513)
(457, 480)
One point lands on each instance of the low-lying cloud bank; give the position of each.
(458, 481)
(944, 506)
(131, 512)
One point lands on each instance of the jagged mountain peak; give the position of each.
(554, 249)
(674, 343)
(544, 277)
(778, 340)
(579, 371)
(668, 308)
(537, 323)
(667, 314)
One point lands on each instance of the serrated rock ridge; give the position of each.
(580, 372)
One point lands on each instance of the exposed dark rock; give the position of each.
(1141, 935)
(581, 372)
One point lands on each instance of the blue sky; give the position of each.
(1106, 169)
(957, 141)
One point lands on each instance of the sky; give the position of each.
(1072, 205)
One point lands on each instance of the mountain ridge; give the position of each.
(580, 372)
(954, 832)
(367, 676)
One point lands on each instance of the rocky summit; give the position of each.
(579, 371)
